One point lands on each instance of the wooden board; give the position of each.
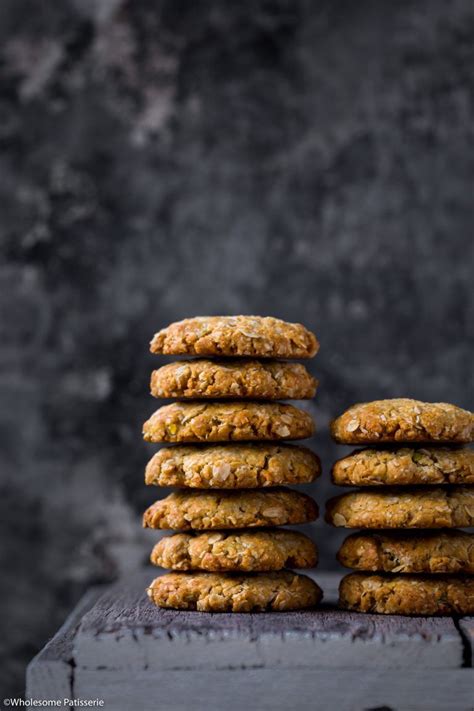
(49, 674)
(127, 631)
(135, 656)
(280, 690)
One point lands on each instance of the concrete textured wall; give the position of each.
(158, 159)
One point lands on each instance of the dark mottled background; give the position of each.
(310, 160)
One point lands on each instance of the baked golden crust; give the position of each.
(405, 466)
(403, 420)
(267, 380)
(244, 508)
(214, 592)
(407, 594)
(255, 336)
(227, 421)
(428, 507)
(232, 466)
(238, 551)
(416, 552)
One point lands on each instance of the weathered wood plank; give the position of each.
(133, 655)
(280, 690)
(49, 674)
(124, 631)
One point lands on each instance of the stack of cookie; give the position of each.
(230, 465)
(413, 481)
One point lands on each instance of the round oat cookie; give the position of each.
(232, 466)
(415, 552)
(255, 336)
(407, 594)
(236, 551)
(227, 421)
(403, 420)
(255, 379)
(216, 592)
(405, 466)
(244, 508)
(423, 507)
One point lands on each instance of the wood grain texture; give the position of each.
(124, 630)
(281, 690)
(49, 674)
(135, 656)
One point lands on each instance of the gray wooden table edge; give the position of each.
(50, 672)
(117, 646)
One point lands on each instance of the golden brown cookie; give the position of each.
(244, 508)
(407, 594)
(403, 420)
(232, 466)
(428, 507)
(405, 466)
(227, 421)
(237, 551)
(255, 336)
(216, 592)
(415, 552)
(255, 379)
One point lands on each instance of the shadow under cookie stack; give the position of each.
(231, 466)
(417, 476)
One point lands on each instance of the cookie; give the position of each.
(227, 421)
(417, 552)
(255, 336)
(215, 592)
(201, 510)
(429, 507)
(403, 420)
(405, 466)
(407, 594)
(239, 551)
(268, 380)
(232, 466)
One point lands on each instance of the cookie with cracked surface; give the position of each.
(254, 336)
(417, 552)
(403, 420)
(232, 466)
(407, 594)
(214, 592)
(237, 551)
(244, 508)
(258, 380)
(427, 507)
(405, 467)
(227, 421)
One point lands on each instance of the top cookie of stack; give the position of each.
(429, 486)
(228, 429)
